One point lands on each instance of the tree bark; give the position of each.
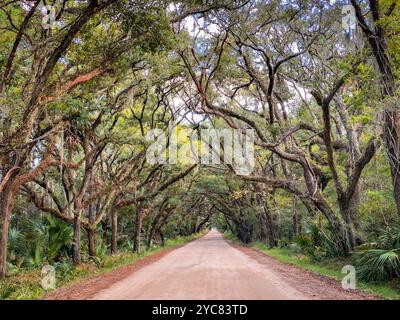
(354, 206)
(92, 242)
(392, 147)
(354, 155)
(5, 217)
(263, 227)
(151, 235)
(350, 233)
(339, 230)
(104, 227)
(153, 228)
(6, 205)
(91, 233)
(138, 229)
(76, 242)
(202, 223)
(114, 231)
(267, 232)
(296, 219)
(270, 226)
(391, 132)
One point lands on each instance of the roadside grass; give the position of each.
(331, 267)
(26, 284)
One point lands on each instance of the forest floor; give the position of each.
(210, 268)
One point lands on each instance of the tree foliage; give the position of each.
(79, 100)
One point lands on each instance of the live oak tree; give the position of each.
(42, 65)
(374, 29)
(235, 48)
(26, 87)
(78, 101)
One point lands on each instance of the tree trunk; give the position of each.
(114, 231)
(138, 230)
(92, 242)
(323, 206)
(153, 229)
(104, 227)
(340, 231)
(354, 206)
(91, 233)
(263, 218)
(193, 229)
(278, 222)
(354, 156)
(349, 225)
(157, 225)
(202, 223)
(76, 242)
(392, 147)
(5, 217)
(162, 238)
(230, 226)
(266, 223)
(296, 219)
(378, 43)
(270, 226)
(6, 206)
(263, 227)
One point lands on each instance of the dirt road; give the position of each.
(211, 268)
(208, 268)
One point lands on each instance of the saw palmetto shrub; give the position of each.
(382, 263)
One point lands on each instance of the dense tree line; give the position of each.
(78, 101)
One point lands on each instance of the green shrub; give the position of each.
(317, 242)
(40, 241)
(6, 291)
(390, 237)
(305, 243)
(379, 265)
(382, 263)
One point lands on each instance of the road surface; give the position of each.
(207, 268)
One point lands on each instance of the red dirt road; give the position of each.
(209, 268)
